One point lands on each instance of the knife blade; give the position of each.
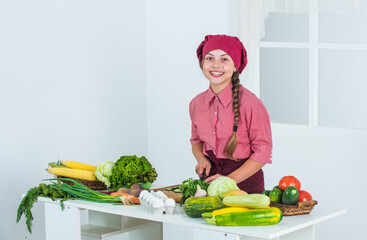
(202, 175)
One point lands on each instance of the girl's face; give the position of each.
(218, 68)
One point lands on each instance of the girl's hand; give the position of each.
(212, 178)
(202, 165)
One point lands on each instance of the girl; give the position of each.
(231, 134)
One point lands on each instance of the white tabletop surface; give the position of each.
(287, 225)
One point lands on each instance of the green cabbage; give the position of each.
(104, 171)
(221, 185)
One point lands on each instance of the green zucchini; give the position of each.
(254, 217)
(195, 206)
(249, 200)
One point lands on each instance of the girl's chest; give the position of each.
(218, 121)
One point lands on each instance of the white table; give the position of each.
(108, 221)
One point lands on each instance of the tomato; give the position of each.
(304, 196)
(288, 181)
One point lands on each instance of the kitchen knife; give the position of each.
(202, 175)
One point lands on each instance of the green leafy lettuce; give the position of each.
(132, 169)
(104, 172)
(221, 185)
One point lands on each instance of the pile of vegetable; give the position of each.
(125, 172)
(64, 191)
(288, 192)
(227, 205)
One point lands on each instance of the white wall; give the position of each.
(72, 86)
(174, 77)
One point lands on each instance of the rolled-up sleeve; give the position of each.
(194, 134)
(259, 132)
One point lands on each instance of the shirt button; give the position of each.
(216, 98)
(214, 132)
(215, 113)
(215, 153)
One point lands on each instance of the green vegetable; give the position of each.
(264, 216)
(104, 172)
(266, 192)
(221, 185)
(176, 189)
(290, 196)
(30, 198)
(57, 164)
(254, 200)
(196, 206)
(275, 195)
(188, 188)
(132, 169)
(80, 191)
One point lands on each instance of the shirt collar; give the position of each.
(225, 96)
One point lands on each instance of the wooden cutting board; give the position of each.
(176, 196)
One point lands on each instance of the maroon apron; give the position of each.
(253, 184)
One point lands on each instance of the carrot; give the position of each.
(130, 198)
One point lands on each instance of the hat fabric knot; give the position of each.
(231, 45)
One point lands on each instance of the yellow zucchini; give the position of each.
(224, 210)
(252, 217)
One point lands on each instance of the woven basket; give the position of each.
(93, 185)
(297, 209)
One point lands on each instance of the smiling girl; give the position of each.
(231, 134)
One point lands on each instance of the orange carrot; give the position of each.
(130, 198)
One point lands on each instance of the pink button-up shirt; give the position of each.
(212, 121)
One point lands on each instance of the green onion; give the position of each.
(80, 191)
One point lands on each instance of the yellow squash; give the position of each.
(233, 193)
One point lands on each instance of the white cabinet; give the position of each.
(76, 223)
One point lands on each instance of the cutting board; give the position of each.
(176, 196)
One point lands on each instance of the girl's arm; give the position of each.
(203, 162)
(249, 168)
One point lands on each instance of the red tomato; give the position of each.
(304, 196)
(289, 181)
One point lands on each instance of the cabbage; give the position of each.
(104, 171)
(221, 185)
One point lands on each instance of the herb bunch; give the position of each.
(189, 187)
(43, 190)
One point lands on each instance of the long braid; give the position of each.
(232, 143)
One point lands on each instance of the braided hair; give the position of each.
(232, 143)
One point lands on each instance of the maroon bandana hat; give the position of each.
(231, 45)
